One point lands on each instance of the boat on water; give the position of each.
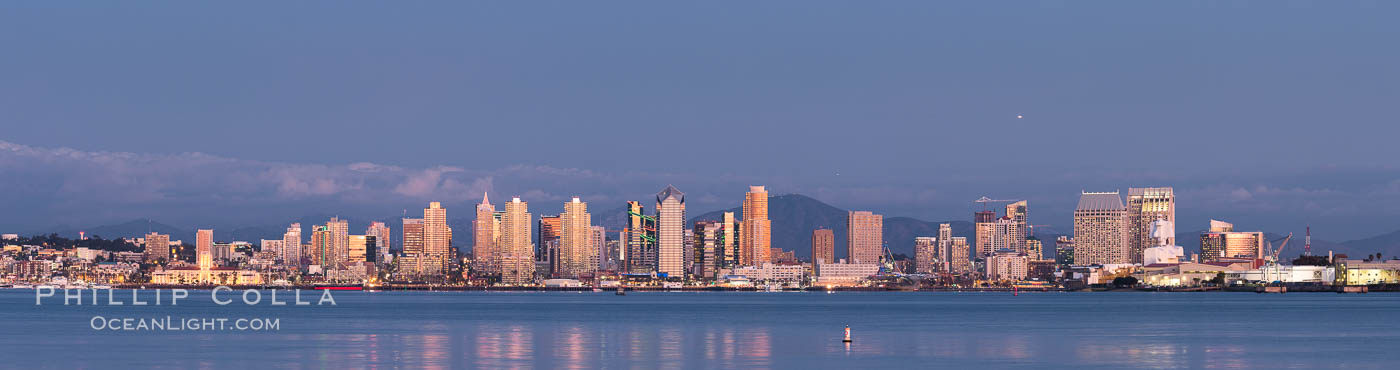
(597, 290)
(23, 286)
(621, 291)
(5, 286)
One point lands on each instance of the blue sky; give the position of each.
(1273, 115)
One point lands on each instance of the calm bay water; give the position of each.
(726, 330)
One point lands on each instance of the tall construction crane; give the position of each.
(984, 200)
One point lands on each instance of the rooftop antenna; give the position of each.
(1307, 242)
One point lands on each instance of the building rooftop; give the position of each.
(668, 192)
(1100, 202)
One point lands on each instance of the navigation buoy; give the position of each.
(848, 334)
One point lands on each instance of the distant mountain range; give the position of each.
(794, 217)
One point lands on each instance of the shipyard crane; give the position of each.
(1273, 253)
(1271, 258)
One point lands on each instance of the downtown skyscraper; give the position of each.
(381, 234)
(291, 245)
(411, 259)
(1100, 229)
(925, 255)
(157, 247)
(728, 242)
(640, 239)
(517, 254)
(757, 241)
(437, 239)
(578, 252)
(322, 248)
(204, 248)
(823, 246)
(864, 237)
(706, 244)
(670, 232)
(984, 224)
(486, 229)
(339, 249)
(1146, 205)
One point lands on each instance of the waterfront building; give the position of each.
(1015, 230)
(517, 253)
(1223, 242)
(925, 255)
(578, 252)
(844, 274)
(291, 246)
(943, 249)
(960, 262)
(1146, 205)
(1040, 270)
(1187, 273)
(1362, 272)
(756, 243)
(1007, 265)
(615, 255)
(437, 240)
(412, 246)
(640, 236)
(157, 247)
(339, 242)
(1034, 248)
(670, 232)
(1100, 229)
(728, 242)
(1162, 251)
(204, 248)
(222, 251)
(322, 248)
(273, 247)
(864, 237)
(548, 237)
(772, 272)
(361, 248)
(1303, 274)
(823, 246)
(1064, 251)
(688, 258)
(706, 245)
(485, 231)
(382, 241)
(1008, 234)
(599, 239)
(984, 223)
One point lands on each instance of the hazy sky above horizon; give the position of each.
(1272, 115)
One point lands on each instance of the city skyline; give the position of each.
(1300, 123)
(735, 185)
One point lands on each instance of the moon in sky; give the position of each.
(1018, 116)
